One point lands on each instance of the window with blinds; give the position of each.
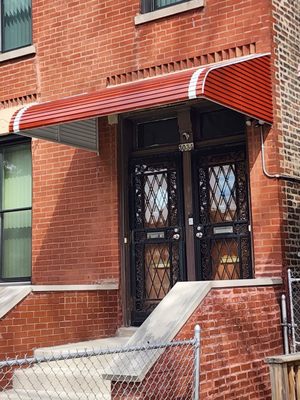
(152, 5)
(16, 24)
(15, 211)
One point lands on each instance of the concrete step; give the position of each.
(126, 331)
(97, 344)
(49, 395)
(69, 380)
(72, 379)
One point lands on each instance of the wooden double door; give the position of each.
(172, 241)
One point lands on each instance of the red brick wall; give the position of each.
(75, 212)
(80, 43)
(286, 41)
(266, 203)
(53, 318)
(18, 78)
(239, 328)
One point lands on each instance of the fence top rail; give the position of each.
(284, 359)
(295, 279)
(67, 355)
(294, 275)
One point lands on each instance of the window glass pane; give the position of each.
(16, 186)
(222, 123)
(158, 133)
(165, 3)
(16, 245)
(16, 19)
(217, 124)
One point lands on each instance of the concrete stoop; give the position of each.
(73, 379)
(83, 379)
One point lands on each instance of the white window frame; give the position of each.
(14, 53)
(167, 11)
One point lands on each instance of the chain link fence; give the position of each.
(294, 296)
(161, 371)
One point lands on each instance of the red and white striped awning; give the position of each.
(242, 84)
(6, 116)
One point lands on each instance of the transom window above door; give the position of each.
(212, 125)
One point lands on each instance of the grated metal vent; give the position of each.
(81, 134)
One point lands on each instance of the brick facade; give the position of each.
(240, 327)
(84, 46)
(286, 16)
(67, 66)
(52, 318)
(266, 220)
(76, 48)
(75, 213)
(233, 350)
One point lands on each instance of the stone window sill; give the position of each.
(24, 51)
(166, 12)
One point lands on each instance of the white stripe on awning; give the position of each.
(6, 115)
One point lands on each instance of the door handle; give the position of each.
(199, 235)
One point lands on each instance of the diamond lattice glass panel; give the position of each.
(222, 193)
(225, 260)
(157, 271)
(156, 199)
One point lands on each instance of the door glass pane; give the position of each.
(157, 271)
(16, 186)
(16, 244)
(225, 260)
(16, 19)
(222, 193)
(156, 199)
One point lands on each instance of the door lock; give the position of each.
(176, 235)
(199, 235)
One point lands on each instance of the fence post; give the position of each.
(284, 324)
(197, 363)
(293, 345)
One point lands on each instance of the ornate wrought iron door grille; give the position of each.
(157, 234)
(222, 216)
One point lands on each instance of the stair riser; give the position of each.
(31, 380)
(22, 395)
(99, 364)
(74, 379)
(94, 345)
